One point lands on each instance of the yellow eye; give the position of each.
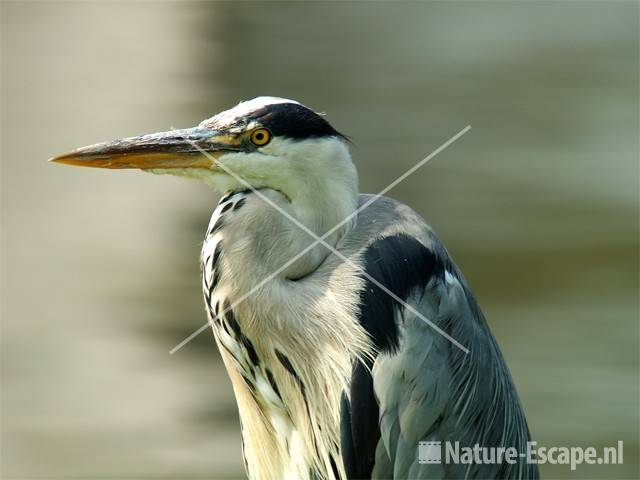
(260, 137)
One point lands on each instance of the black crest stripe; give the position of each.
(294, 121)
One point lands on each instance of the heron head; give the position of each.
(266, 142)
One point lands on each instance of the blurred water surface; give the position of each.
(538, 204)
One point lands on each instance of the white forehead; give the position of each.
(245, 108)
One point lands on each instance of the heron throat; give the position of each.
(287, 340)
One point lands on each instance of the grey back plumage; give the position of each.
(421, 387)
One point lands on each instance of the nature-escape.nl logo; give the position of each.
(453, 453)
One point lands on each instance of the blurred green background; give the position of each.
(100, 275)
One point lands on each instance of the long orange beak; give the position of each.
(196, 147)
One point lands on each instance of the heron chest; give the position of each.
(253, 367)
(258, 377)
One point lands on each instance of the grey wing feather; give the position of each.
(424, 387)
(429, 390)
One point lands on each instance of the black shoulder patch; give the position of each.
(295, 121)
(400, 263)
(359, 428)
(346, 438)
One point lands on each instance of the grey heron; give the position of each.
(348, 356)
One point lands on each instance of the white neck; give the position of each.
(307, 321)
(314, 184)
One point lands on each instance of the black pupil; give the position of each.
(259, 136)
